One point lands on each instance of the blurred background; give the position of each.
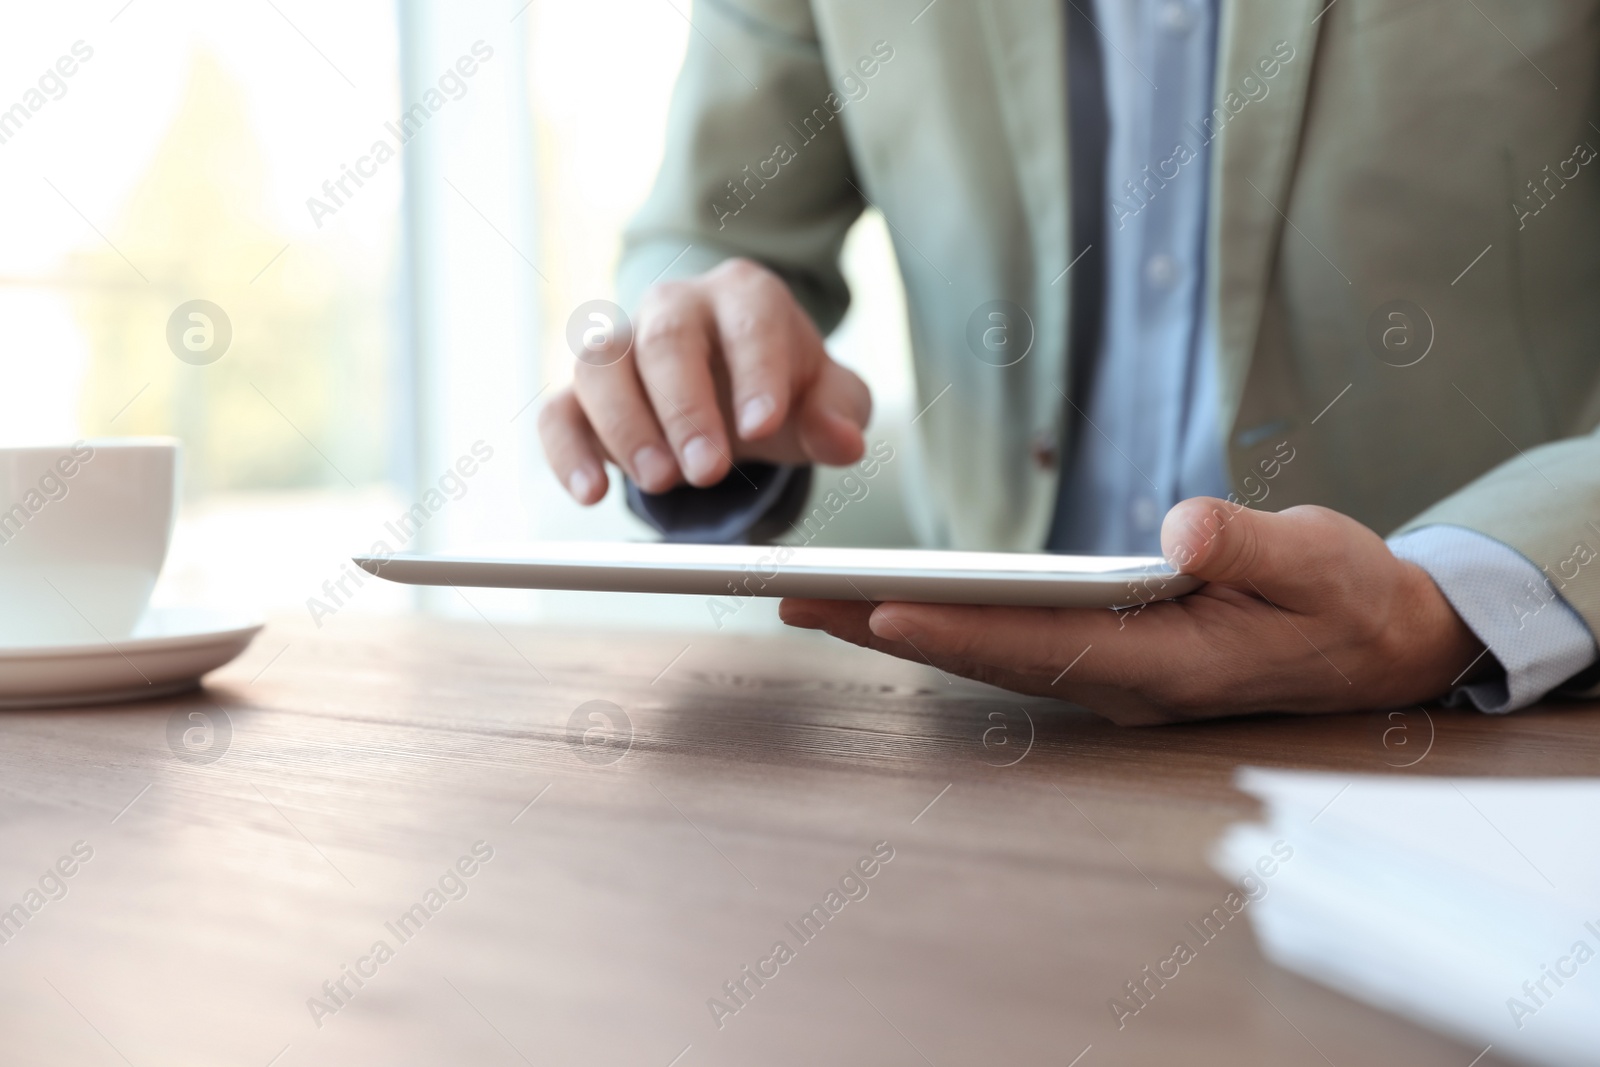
(386, 311)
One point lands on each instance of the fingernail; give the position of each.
(844, 427)
(756, 411)
(699, 459)
(892, 629)
(653, 468)
(581, 484)
(843, 421)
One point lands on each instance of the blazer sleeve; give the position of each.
(756, 163)
(1545, 503)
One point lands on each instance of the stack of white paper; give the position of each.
(1470, 905)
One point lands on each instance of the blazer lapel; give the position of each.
(1253, 159)
(1026, 40)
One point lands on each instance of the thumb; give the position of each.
(1221, 541)
(833, 414)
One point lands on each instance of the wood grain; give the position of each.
(369, 757)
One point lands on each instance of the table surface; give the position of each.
(1040, 858)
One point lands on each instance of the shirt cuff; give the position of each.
(755, 503)
(1510, 605)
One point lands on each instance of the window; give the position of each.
(375, 322)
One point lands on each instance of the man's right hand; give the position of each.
(720, 368)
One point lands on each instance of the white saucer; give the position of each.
(169, 651)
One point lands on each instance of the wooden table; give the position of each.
(367, 760)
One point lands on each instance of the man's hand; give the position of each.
(719, 368)
(1305, 610)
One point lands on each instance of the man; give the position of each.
(1334, 260)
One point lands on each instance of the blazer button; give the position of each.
(1043, 450)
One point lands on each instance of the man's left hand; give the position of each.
(1304, 610)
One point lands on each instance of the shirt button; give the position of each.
(1042, 449)
(1175, 17)
(1160, 270)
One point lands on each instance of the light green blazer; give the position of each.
(1405, 141)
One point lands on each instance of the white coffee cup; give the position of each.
(84, 530)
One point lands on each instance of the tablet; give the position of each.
(873, 574)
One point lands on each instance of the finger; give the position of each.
(571, 449)
(762, 344)
(852, 621)
(1024, 639)
(823, 614)
(622, 419)
(1258, 551)
(1098, 646)
(673, 351)
(833, 415)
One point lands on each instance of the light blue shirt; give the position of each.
(1150, 435)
